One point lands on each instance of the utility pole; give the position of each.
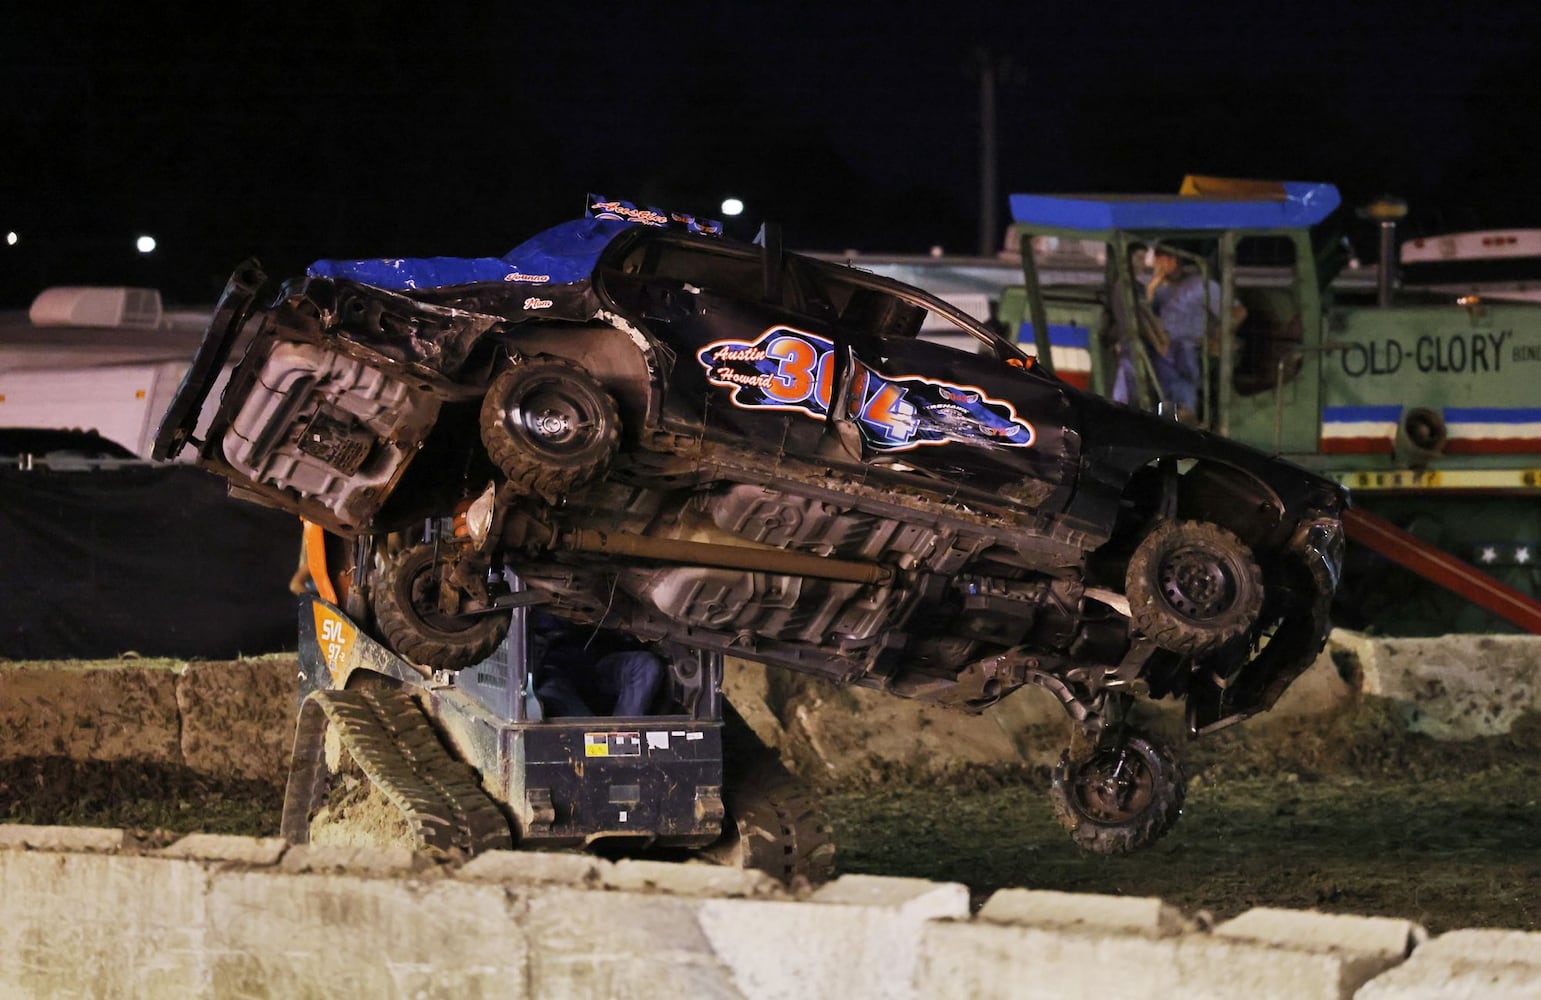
(985, 64)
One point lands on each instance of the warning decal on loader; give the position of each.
(612, 744)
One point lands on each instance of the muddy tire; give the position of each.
(549, 426)
(406, 612)
(1193, 587)
(775, 825)
(1122, 798)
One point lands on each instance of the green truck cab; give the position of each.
(1420, 402)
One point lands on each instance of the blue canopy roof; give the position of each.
(1297, 205)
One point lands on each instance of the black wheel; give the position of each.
(775, 824)
(1122, 798)
(406, 606)
(1193, 586)
(549, 426)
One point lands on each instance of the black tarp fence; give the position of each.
(150, 559)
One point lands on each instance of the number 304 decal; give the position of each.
(789, 369)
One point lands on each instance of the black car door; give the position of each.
(952, 414)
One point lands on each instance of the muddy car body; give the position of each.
(755, 452)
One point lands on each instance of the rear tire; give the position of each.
(549, 426)
(406, 611)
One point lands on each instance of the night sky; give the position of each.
(380, 129)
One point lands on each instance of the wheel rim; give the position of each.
(423, 599)
(1198, 583)
(1114, 786)
(553, 419)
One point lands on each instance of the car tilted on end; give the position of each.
(744, 450)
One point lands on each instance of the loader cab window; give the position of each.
(1269, 338)
(576, 671)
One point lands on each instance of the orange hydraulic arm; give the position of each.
(314, 537)
(1444, 569)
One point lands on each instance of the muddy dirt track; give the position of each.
(1345, 815)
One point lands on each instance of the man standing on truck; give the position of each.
(1185, 302)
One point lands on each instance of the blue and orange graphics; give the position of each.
(789, 369)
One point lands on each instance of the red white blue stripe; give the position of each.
(1492, 429)
(1469, 430)
(1070, 351)
(1365, 430)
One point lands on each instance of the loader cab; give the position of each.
(507, 682)
(599, 781)
(1262, 274)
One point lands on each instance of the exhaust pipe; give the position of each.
(1386, 210)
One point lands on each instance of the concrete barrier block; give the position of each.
(1116, 914)
(622, 944)
(1222, 968)
(1385, 937)
(910, 895)
(63, 838)
(376, 861)
(101, 926)
(857, 936)
(689, 879)
(980, 958)
(238, 716)
(218, 847)
(276, 935)
(1454, 686)
(536, 868)
(1112, 955)
(1476, 964)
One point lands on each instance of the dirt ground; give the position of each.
(1347, 814)
(1376, 823)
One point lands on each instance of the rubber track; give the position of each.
(394, 744)
(784, 832)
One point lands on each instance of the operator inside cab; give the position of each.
(581, 670)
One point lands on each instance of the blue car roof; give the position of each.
(1297, 205)
(562, 254)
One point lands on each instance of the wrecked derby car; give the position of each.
(736, 448)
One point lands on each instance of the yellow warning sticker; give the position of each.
(612, 744)
(335, 637)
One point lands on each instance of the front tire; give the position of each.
(407, 613)
(549, 426)
(1193, 587)
(1120, 799)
